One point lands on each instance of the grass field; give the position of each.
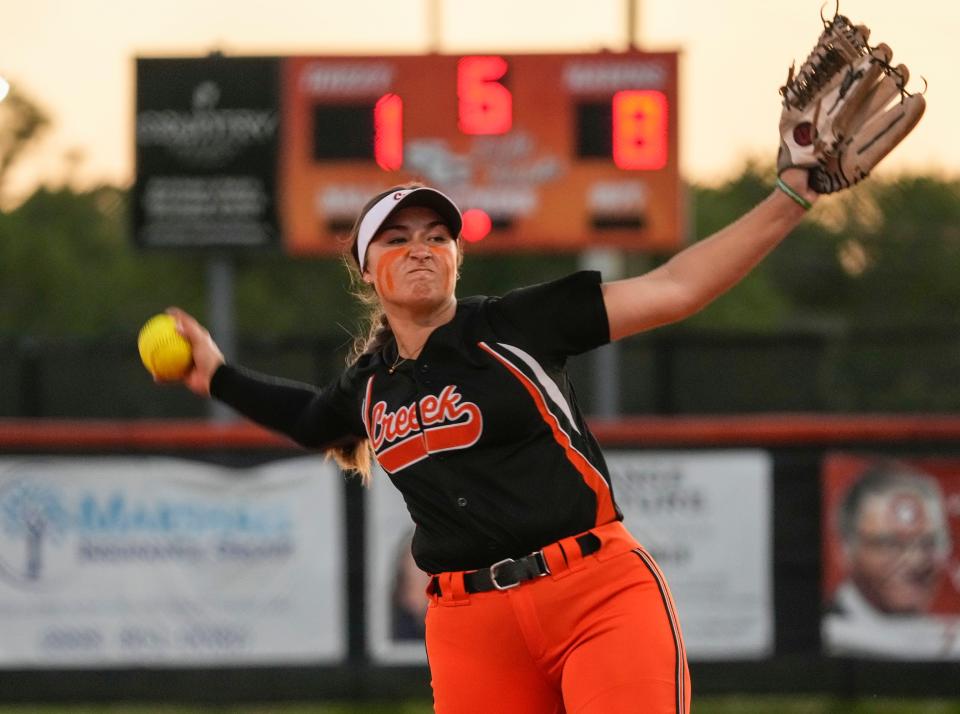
(704, 705)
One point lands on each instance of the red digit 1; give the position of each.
(388, 132)
(485, 106)
(640, 129)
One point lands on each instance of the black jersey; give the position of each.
(481, 434)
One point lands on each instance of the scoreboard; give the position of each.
(541, 152)
(555, 152)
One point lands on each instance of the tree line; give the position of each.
(883, 255)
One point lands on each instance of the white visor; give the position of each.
(381, 210)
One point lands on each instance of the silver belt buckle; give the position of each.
(493, 574)
(543, 559)
(498, 564)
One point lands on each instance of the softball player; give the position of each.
(540, 600)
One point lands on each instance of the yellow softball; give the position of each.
(164, 351)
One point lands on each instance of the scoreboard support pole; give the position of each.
(605, 360)
(220, 316)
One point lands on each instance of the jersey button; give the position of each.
(462, 502)
(425, 368)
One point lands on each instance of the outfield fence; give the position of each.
(755, 486)
(666, 372)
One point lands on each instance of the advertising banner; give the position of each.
(891, 569)
(396, 597)
(705, 517)
(207, 138)
(164, 561)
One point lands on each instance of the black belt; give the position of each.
(510, 572)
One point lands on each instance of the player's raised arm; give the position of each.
(695, 276)
(843, 111)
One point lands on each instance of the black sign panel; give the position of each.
(207, 140)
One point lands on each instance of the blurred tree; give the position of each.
(882, 254)
(21, 122)
(278, 296)
(67, 267)
(757, 303)
(877, 258)
(909, 237)
(772, 295)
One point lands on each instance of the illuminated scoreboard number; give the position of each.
(375, 131)
(484, 104)
(603, 125)
(631, 128)
(360, 131)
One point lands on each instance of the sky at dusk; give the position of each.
(76, 60)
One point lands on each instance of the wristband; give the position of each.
(800, 200)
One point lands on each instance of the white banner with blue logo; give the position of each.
(166, 561)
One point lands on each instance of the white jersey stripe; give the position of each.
(549, 386)
(566, 442)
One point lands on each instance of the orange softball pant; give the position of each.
(598, 635)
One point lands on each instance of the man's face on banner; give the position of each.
(899, 550)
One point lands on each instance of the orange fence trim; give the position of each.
(753, 429)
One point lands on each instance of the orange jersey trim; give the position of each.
(593, 478)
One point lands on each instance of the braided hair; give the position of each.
(358, 456)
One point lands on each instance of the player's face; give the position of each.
(897, 557)
(412, 261)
